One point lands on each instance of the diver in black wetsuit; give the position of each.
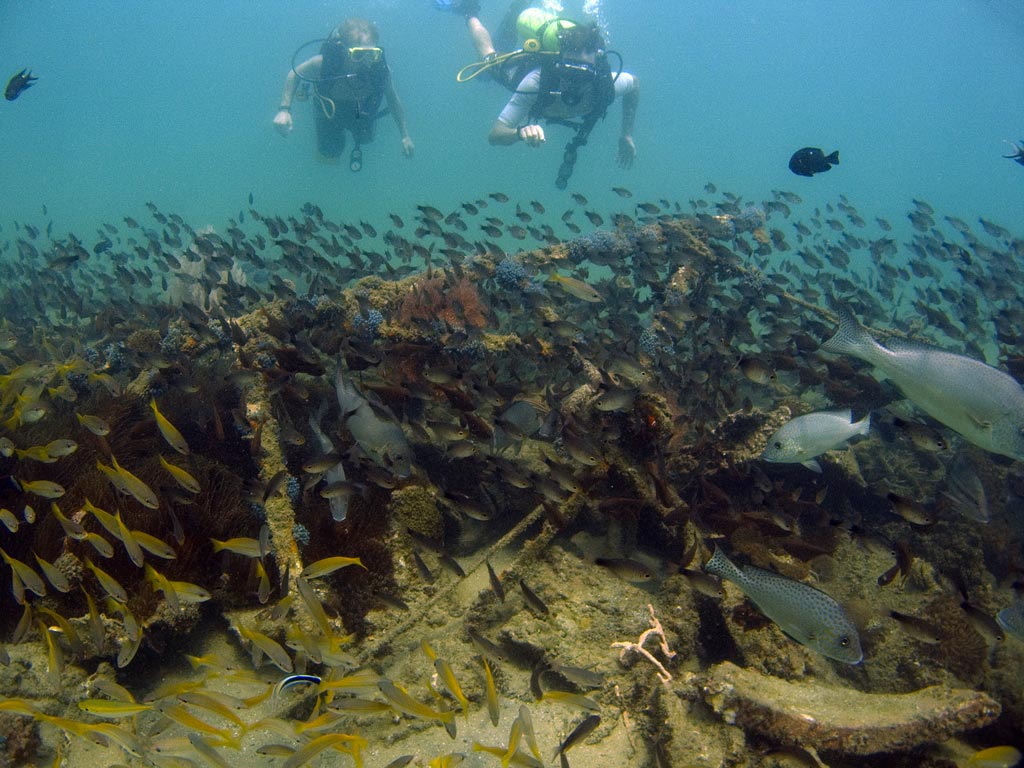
(350, 79)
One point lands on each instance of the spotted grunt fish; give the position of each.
(806, 614)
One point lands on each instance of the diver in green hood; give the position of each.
(349, 80)
(560, 74)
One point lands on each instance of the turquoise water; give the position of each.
(173, 103)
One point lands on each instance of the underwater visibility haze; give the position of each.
(411, 457)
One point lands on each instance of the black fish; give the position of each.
(1017, 156)
(19, 83)
(811, 160)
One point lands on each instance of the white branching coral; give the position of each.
(638, 647)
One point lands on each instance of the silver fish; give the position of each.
(965, 489)
(982, 403)
(799, 440)
(335, 474)
(806, 614)
(380, 438)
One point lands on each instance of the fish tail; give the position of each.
(722, 566)
(349, 399)
(863, 426)
(833, 158)
(851, 338)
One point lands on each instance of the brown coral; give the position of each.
(433, 299)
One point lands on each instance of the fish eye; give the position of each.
(844, 640)
(778, 444)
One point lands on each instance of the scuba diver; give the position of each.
(561, 74)
(349, 79)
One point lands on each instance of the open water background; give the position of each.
(173, 102)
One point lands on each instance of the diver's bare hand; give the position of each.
(531, 134)
(408, 147)
(627, 152)
(283, 122)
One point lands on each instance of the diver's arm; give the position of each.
(398, 113)
(309, 69)
(516, 123)
(503, 135)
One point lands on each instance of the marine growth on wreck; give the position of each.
(440, 488)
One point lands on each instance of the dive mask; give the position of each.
(365, 54)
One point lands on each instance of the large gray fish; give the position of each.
(983, 404)
(380, 438)
(806, 614)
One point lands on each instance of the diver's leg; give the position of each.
(508, 34)
(477, 31)
(481, 37)
(330, 138)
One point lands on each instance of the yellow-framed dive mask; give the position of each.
(365, 54)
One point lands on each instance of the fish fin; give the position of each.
(982, 424)
(812, 465)
(863, 426)
(720, 565)
(851, 338)
(833, 159)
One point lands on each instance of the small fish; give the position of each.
(496, 584)
(19, 84)
(921, 435)
(811, 160)
(578, 734)
(110, 708)
(45, 488)
(585, 703)
(1012, 619)
(292, 680)
(169, 431)
(806, 614)
(444, 672)
(406, 704)
(626, 569)
(994, 757)
(329, 565)
(533, 602)
(1017, 156)
(242, 545)
(577, 288)
(269, 646)
(917, 628)
(110, 585)
(800, 440)
(181, 476)
(911, 511)
(94, 424)
(965, 489)
(491, 693)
